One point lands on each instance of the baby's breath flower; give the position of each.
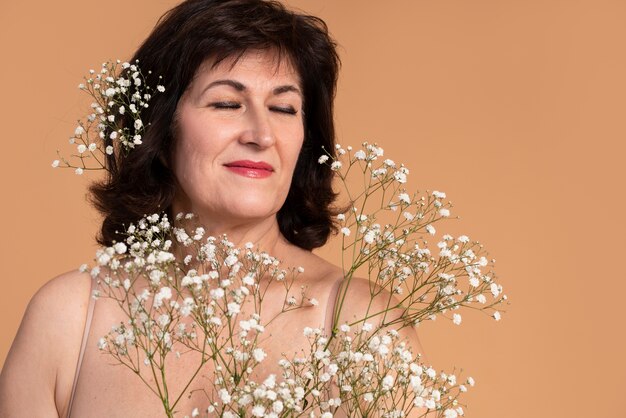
(335, 166)
(109, 90)
(212, 298)
(258, 411)
(233, 308)
(230, 260)
(259, 354)
(495, 289)
(400, 177)
(224, 396)
(450, 413)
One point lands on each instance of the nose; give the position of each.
(258, 131)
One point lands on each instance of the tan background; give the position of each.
(514, 108)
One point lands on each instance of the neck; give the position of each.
(264, 233)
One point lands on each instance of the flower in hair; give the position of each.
(120, 93)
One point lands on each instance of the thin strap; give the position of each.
(332, 306)
(83, 344)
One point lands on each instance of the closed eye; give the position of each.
(226, 105)
(287, 110)
(233, 105)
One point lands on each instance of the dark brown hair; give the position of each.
(140, 183)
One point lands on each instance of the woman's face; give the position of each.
(239, 133)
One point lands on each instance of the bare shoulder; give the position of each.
(62, 289)
(317, 271)
(45, 347)
(57, 305)
(361, 300)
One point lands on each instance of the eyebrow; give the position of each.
(240, 87)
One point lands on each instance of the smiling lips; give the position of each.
(250, 169)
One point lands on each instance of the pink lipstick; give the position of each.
(251, 169)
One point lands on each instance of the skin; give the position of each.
(217, 124)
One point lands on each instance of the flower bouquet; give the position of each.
(184, 293)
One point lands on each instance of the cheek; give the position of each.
(195, 147)
(295, 147)
(187, 164)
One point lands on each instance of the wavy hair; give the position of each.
(139, 182)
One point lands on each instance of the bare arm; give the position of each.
(34, 379)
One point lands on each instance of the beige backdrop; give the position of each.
(514, 108)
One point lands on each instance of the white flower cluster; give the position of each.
(188, 292)
(367, 371)
(202, 305)
(120, 93)
(397, 253)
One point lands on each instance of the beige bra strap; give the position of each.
(331, 308)
(83, 344)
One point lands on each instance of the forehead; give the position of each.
(255, 63)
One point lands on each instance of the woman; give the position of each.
(235, 140)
